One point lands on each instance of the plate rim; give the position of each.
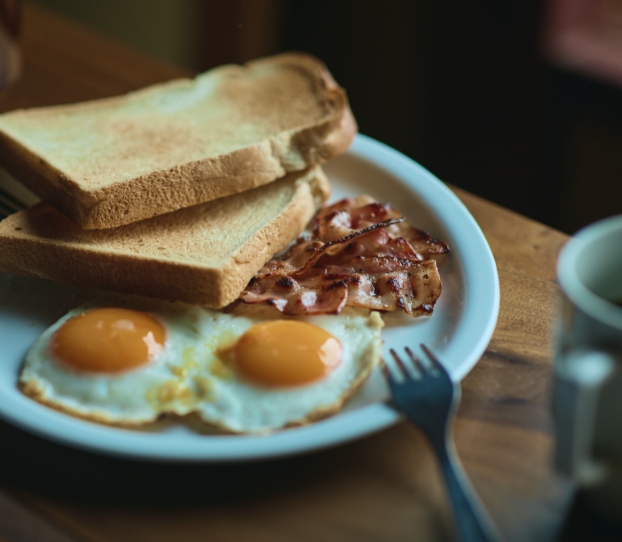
(334, 431)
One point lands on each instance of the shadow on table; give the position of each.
(52, 470)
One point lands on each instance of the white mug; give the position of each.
(587, 396)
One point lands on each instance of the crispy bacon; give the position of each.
(362, 253)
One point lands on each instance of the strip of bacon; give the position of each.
(362, 253)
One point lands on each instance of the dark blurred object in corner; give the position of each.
(585, 36)
(10, 59)
(584, 524)
(582, 40)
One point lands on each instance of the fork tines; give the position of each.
(412, 367)
(433, 359)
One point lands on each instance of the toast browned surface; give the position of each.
(203, 255)
(110, 162)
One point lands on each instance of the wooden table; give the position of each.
(384, 487)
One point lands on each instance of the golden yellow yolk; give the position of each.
(286, 353)
(108, 340)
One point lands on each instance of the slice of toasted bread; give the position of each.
(115, 161)
(203, 255)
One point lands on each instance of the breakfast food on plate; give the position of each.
(180, 193)
(288, 352)
(360, 253)
(241, 373)
(203, 255)
(110, 162)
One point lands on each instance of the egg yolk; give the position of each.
(286, 353)
(108, 340)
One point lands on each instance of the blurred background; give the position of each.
(518, 101)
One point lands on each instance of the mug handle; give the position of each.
(578, 382)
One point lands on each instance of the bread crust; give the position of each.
(145, 258)
(92, 202)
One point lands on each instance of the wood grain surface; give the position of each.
(384, 487)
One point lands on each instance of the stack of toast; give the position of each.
(179, 191)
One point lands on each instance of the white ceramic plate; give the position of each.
(458, 331)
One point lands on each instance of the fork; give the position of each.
(428, 397)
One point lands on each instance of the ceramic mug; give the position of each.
(588, 363)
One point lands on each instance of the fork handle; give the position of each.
(473, 523)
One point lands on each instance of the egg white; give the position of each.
(189, 375)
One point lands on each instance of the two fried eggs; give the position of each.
(247, 373)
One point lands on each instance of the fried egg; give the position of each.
(240, 372)
(277, 373)
(116, 365)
